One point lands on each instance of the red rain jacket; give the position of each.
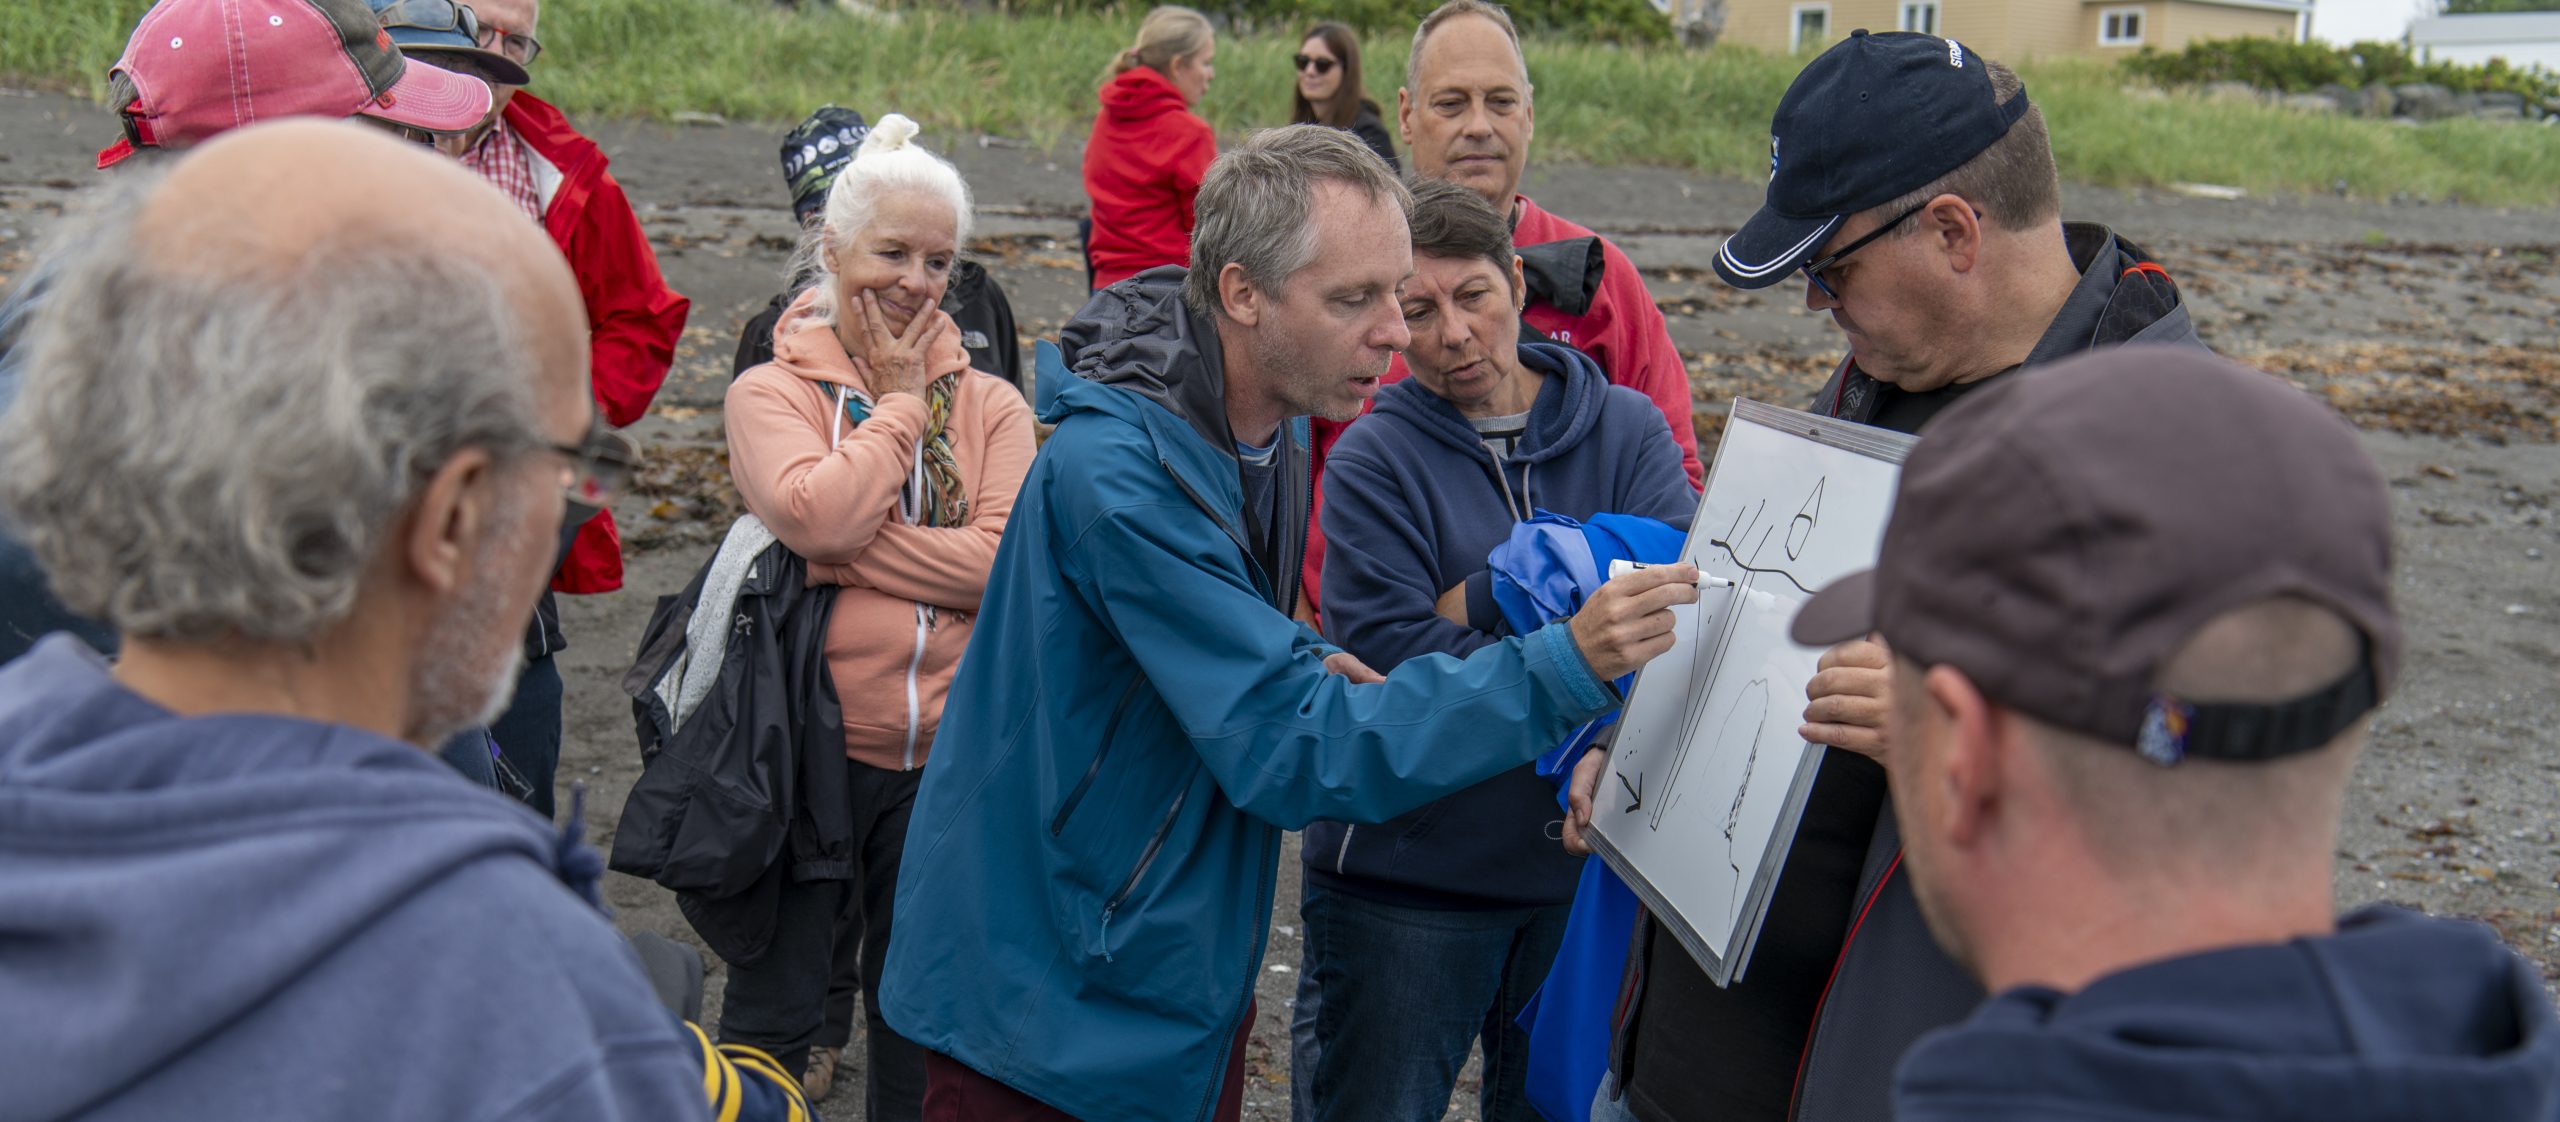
(633, 318)
(1142, 168)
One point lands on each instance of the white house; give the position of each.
(2524, 39)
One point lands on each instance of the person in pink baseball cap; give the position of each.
(559, 179)
(195, 68)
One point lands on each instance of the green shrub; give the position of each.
(2303, 67)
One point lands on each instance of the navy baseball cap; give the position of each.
(815, 151)
(1872, 119)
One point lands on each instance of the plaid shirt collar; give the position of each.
(501, 159)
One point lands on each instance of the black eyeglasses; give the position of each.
(600, 466)
(522, 48)
(1813, 271)
(1323, 66)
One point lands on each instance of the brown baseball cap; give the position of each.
(2057, 537)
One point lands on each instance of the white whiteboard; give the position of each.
(1707, 777)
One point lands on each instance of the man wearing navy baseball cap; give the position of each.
(2124, 718)
(1912, 192)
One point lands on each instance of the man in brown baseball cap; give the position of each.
(2139, 605)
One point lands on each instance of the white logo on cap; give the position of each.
(1955, 54)
(1773, 155)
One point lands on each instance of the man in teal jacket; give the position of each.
(1088, 878)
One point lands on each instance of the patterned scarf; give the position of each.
(933, 496)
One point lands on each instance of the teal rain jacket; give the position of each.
(1089, 872)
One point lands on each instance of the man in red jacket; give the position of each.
(1466, 113)
(528, 150)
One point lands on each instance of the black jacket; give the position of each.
(717, 814)
(1371, 127)
(1846, 976)
(975, 301)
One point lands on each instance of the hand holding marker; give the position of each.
(1622, 567)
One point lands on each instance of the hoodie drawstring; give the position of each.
(1521, 504)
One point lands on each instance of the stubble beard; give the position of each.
(469, 660)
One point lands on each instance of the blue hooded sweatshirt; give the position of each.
(1414, 503)
(2396, 1018)
(1089, 867)
(260, 918)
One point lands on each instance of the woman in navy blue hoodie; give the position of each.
(1429, 932)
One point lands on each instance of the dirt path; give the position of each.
(2434, 327)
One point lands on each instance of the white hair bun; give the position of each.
(890, 134)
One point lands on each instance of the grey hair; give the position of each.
(196, 456)
(1452, 10)
(889, 160)
(1255, 204)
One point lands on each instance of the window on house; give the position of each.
(2120, 27)
(1921, 17)
(1812, 27)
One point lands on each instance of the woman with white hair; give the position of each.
(872, 450)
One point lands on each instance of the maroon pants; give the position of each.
(955, 1092)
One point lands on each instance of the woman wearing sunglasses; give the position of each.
(1329, 90)
(1143, 164)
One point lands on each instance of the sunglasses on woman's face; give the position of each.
(1322, 66)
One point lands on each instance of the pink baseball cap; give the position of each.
(196, 68)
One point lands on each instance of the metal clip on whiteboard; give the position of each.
(1716, 595)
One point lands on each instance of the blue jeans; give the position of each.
(1390, 997)
(1606, 1106)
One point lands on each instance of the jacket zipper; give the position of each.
(1110, 733)
(915, 706)
(1155, 844)
(1804, 1059)
(1298, 564)
(1232, 534)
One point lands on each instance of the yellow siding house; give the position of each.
(2015, 30)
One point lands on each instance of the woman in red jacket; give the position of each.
(1148, 151)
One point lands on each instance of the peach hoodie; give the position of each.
(838, 508)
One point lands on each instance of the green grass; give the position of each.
(1033, 76)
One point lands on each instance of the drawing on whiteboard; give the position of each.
(1713, 639)
(1711, 776)
(1799, 532)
